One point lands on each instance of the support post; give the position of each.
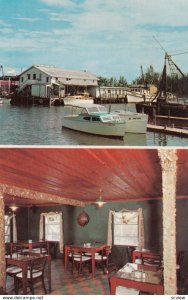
(2, 245)
(169, 168)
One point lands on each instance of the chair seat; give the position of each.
(121, 290)
(39, 250)
(87, 253)
(35, 275)
(84, 258)
(13, 270)
(100, 257)
(75, 255)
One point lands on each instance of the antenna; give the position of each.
(159, 44)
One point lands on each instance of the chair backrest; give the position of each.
(107, 250)
(37, 266)
(76, 252)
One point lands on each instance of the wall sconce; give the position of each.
(100, 201)
(13, 207)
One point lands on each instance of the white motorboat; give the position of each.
(135, 97)
(134, 122)
(77, 99)
(94, 119)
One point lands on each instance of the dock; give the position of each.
(168, 130)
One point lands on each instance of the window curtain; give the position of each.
(14, 229)
(41, 228)
(140, 226)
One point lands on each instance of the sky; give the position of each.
(105, 37)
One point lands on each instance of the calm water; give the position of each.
(43, 126)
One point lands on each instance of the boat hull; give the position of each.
(137, 98)
(134, 122)
(96, 128)
(77, 101)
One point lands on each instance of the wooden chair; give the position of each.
(154, 261)
(35, 273)
(79, 259)
(101, 258)
(12, 271)
(42, 249)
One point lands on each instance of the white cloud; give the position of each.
(61, 3)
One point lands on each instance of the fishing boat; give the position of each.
(134, 122)
(165, 103)
(94, 119)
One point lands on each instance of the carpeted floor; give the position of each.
(64, 283)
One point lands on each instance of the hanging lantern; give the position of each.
(83, 219)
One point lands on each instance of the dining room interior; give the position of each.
(104, 219)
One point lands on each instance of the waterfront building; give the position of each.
(46, 83)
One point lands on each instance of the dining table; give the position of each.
(23, 262)
(92, 249)
(140, 277)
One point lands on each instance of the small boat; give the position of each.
(134, 122)
(94, 119)
(135, 97)
(78, 99)
(1, 101)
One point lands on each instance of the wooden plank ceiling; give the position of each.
(79, 173)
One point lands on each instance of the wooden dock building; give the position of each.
(48, 85)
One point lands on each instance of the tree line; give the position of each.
(174, 84)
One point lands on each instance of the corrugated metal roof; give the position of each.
(57, 72)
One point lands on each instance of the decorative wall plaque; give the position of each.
(83, 218)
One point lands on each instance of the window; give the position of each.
(7, 229)
(52, 227)
(87, 118)
(34, 76)
(126, 228)
(22, 79)
(28, 76)
(47, 79)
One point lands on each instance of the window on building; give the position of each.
(34, 76)
(28, 76)
(47, 79)
(7, 229)
(22, 79)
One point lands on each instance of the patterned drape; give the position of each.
(140, 226)
(41, 227)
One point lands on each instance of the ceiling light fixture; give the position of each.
(100, 201)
